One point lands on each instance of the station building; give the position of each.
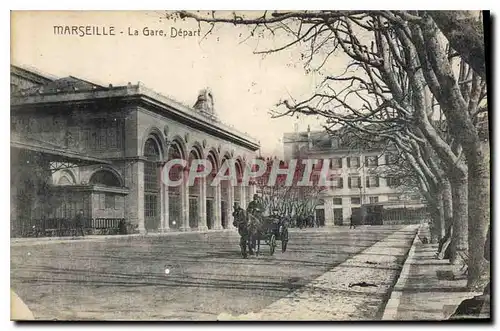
(78, 145)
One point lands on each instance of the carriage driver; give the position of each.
(255, 206)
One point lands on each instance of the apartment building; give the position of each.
(359, 182)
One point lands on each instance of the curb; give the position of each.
(43, 240)
(103, 237)
(116, 236)
(391, 307)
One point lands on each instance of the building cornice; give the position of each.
(143, 96)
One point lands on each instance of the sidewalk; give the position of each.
(353, 290)
(428, 288)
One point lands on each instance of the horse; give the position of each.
(255, 230)
(249, 229)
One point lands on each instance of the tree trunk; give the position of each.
(447, 206)
(439, 219)
(479, 212)
(436, 214)
(460, 219)
(464, 31)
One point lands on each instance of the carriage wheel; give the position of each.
(284, 240)
(272, 244)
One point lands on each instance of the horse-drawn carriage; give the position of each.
(273, 229)
(253, 229)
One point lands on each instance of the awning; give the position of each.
(92, 188)
(56, 154)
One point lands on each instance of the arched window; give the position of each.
(175, 174)
(64, 180)
(239, 178)
(225, 183)
(105, 177)
(210, 192)
(194, 193)
(151, 185)
(152, 154)
(151, 151)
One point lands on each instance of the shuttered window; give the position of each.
(372, 181)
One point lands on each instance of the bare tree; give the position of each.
(464, 31)
(402, 75)
(287, 197)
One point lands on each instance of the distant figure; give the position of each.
(301, 221)
(310, 221)
(122, 228)
(353, 225)
(79, 222)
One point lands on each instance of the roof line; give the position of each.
(86, 81)
(34, 71)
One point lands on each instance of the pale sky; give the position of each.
(245, 86)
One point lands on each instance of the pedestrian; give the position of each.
(79, 222)
(352, 226)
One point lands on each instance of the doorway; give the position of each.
(210, 213)
(151, 186)
(193, 212)
(320, 217)
(223, 214)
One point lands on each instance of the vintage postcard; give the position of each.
(253, 165)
